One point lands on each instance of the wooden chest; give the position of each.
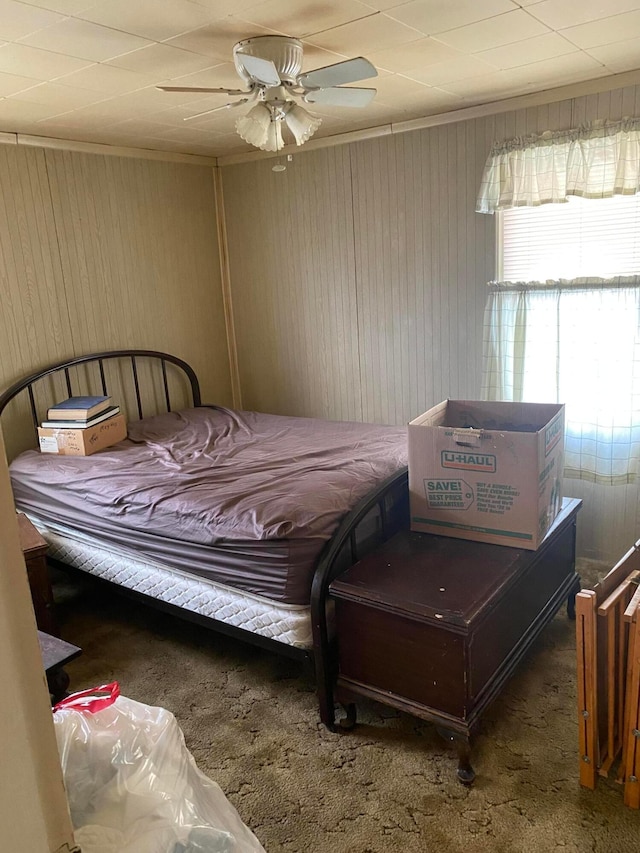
(434, 626)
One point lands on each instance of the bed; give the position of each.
(236, 520)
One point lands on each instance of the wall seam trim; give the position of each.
(356, 282)
(225, 279)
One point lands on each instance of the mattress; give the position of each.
(284, 623)
(244, 499)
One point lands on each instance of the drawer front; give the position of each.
(412, 659)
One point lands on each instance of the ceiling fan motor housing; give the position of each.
(284, 52)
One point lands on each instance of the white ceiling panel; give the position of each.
(478, 87)
(18, 20)
(493, 32)
(22, 111)
(216, 40)
(442, 15)
(427, 101)
(62, 98)
(161, 60)
(605, 31)
(395, 89)
(84, 40)
(43, 65)
(415, 55)
(221, 8)
(559, 14)
(528, 51)
(308, 16)
(560, 70)
(65, 7)
(619, 56)
(377, 32)
(466, 67)
(148, 18)
(12, 83)
(107, 79)
(88, 70)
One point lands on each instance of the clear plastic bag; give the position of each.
(132, 784)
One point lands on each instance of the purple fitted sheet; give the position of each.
(244, 498)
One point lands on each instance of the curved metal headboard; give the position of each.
(132, 355)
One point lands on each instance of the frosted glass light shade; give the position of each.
(254, 127)
(262, 125)
(301, 123)
(274, 140)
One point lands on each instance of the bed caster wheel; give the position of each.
(348, 722)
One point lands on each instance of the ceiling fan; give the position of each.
(270, 68)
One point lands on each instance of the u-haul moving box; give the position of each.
(491, 472)
(82, 442)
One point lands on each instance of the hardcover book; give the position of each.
(78, 408)
(81, 424)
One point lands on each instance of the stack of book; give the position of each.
(80, 426)
(80, 412)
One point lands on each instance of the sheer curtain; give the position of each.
(574, 342)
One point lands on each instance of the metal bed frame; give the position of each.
(377, 517)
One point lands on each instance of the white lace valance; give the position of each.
(597, 160)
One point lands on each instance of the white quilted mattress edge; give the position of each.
(288, 624)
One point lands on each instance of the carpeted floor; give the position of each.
(250, 720)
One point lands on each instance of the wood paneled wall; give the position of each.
(293, 286)
(354, 300)
(359, 277)
(102, 252)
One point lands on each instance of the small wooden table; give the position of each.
(56, 654)
(434, 626)
(34, 549)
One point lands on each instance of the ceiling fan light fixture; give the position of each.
(254, 126)
(270, 67)
(301, 123)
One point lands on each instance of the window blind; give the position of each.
(583, 237)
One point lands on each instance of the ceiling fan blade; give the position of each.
(262, 70)
(203, 89)
(230, 106)
(349, 71)
(337, 97)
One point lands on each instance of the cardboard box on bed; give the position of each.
(82, 442)
(491, 472)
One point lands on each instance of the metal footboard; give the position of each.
(378, 517)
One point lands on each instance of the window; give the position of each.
(583, 237)
(564, 326)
